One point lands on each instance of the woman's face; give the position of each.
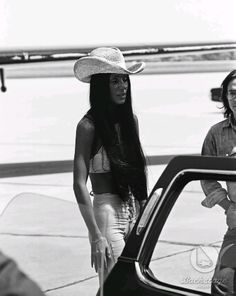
(118, 88)
(231, 95)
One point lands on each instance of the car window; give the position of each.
(188, 247)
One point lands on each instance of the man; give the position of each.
(14, 282)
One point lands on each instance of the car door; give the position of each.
(175, 244)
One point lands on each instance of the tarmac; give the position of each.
(42, 229)
(40, 223)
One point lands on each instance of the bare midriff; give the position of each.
(102, 183)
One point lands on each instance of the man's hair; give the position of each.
(224, 94)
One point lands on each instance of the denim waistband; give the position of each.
(108, 198)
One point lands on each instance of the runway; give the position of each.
(42, 229)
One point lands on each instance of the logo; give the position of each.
(204, 258)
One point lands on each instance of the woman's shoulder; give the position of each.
(135, 118)
(86, 124)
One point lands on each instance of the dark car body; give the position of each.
(131, 276)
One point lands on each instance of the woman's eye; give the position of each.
(117, 81)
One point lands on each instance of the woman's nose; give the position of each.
(122, 83)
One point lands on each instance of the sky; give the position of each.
(75, 23)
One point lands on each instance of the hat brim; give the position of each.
(85, 67)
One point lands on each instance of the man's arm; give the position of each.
(14, 282)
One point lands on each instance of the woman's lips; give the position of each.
(123, 94)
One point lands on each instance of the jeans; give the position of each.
(224, 274)
(115, 221)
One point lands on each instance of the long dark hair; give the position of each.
(224, 94)
(127, 159)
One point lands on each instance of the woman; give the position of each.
(109, 151)
(221, 141)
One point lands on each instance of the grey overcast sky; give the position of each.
(65, 23)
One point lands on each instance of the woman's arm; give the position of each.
(136, 123)
(100, 249)
(83, 146)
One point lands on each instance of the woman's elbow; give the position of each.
(77, 187)
(80, 191)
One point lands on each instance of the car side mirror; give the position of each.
(216, 94)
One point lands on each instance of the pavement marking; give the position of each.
(43, 235)
(186, 244)
(171, 255)
(215, 244)
(71, 284)
(35, 168)
(34, 184)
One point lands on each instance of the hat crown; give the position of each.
(104, 60)
(111, 54)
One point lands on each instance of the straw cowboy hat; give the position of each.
(104, 60)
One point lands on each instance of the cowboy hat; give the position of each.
(104, 60)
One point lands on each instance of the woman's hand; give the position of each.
(142, 205)
(100, 253)
(231, 215)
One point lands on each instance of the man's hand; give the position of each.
(231, 216)
(214, 197)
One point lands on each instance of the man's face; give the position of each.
(231, 95)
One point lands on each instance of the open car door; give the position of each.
(174, 246)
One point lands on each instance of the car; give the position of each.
(174, 245)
